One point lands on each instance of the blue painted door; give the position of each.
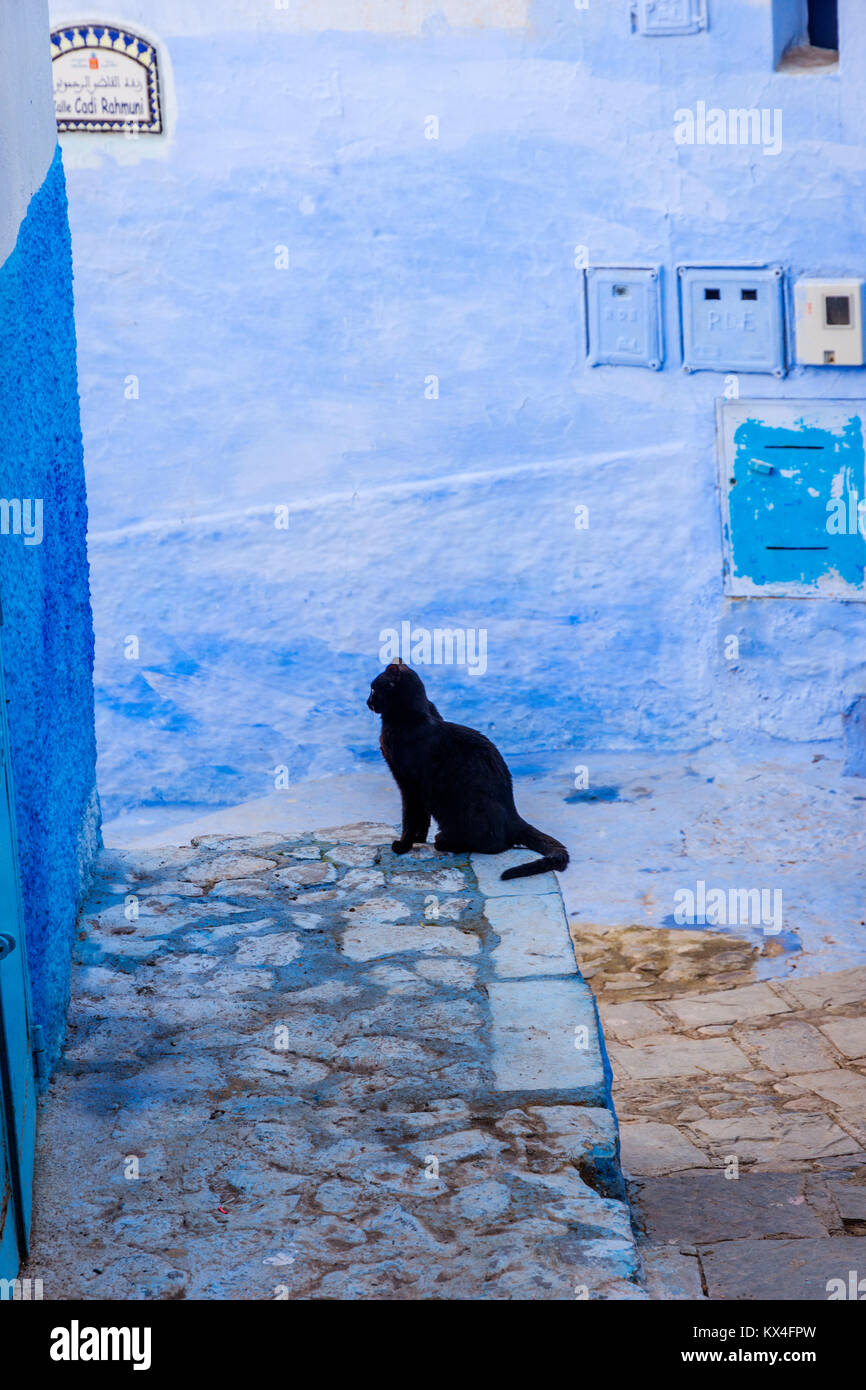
(17, 1081)
(793, 499)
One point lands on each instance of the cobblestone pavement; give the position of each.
(743, 1112)
(302, 1067)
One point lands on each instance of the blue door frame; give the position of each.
(17, 1079)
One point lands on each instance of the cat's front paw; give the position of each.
(400, 846)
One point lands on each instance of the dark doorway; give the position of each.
(824, 23)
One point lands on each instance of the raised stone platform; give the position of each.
(302, 1067)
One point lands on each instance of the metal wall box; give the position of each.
(732, 319)
(792, 480)
(622, 315)
(662, 17)
(828, 328)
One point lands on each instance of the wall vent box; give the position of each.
(792, 480)
(661, 17)
(623, 319)
(828, 328)
(732, 319)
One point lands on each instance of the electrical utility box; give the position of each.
(828, 327)
(661, 17)
(793, 492)
(732, 318)
(623, 318)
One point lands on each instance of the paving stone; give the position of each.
(339, 1197)
(775, 1138)
(451, 910)
(147, 863)
(790, 1047)
(314, 897)
(298, 1071)
(238, 888)
(176, 887)
(432, 881)
(277, 950)
(660, 1057)
(578, 1131)
(398, 1055)
(482, 1202)
(112, 920)
(236, 843)
(363, 833)
(388, 975)
(848, 1034)
(849, 1194)
(452, 1148)
(329, 992)
(367, 942)
(200, 913)
(704, 1207)
(670, 1275)
(808, 1270)
(823, 991)
(456, 973)
(307, 921)
(650, 1148)
(846, 1089)
(533, 937)
(488, 869)
(377, 912)
(545, 1038)
(360, 881)
(632, 1020)
(306, 875)
(357, 856)
(727, 1006)
(227, 866)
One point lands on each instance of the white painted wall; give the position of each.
(28, 134)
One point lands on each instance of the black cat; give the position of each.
(455, 775)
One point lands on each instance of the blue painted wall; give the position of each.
(305, 387)
(47, 632)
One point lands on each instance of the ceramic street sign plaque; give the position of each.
(105, 79)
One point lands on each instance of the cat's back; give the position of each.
(459, 743)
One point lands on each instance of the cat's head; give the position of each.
(396, 691)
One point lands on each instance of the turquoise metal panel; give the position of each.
(793, 487)
(8, 1233)
(17, 1080)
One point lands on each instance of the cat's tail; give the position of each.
(555, 855)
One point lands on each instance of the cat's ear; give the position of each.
(394, 671)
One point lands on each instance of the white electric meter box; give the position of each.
(829, 323)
